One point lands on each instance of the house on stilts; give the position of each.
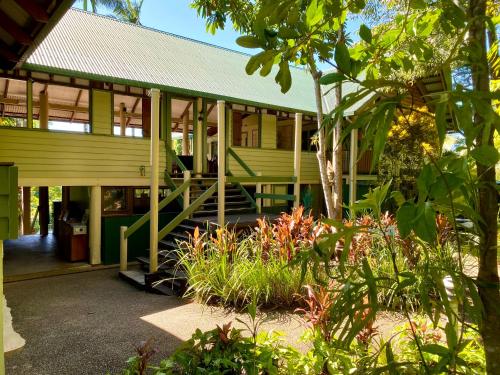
(150, 134)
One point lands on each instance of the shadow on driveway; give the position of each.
(86, 323)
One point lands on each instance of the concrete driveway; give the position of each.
(89, 323)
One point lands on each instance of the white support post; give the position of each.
(185, 134)
(123, 120)
(155, 179)
(29, 103)
(43, 116)
(123, 249)
(258, 190)
(267, 190)
(95, 225)
(187, 176)
(221, 161)
(198, 147)
(353, 167)
(297, 158)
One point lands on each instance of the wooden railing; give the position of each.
(240, 161)
(188, 211)
(126, 232)
(249, 170)
(171, 184)
(178, 161)
(258, 180)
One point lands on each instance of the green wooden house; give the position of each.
(151, 133)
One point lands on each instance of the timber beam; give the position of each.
(14, 30)
(34, 10)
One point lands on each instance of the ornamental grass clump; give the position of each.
(230, 270)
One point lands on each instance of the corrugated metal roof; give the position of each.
(94, 46)
(104, 47)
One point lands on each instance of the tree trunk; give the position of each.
(337, 156)
(488, 280)
(321, 154)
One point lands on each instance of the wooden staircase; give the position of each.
(171, 279)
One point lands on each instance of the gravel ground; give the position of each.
(89, 323)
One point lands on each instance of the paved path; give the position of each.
(88, 323)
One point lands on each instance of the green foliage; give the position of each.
(55, 195)
(233, 271)
(411, 140)
(461, 185)
(125, 10)
(8, 121)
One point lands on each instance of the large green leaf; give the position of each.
(425, 222)
(405, 216)
(314, 13)
(342, 58)
(382, 125)
(249, 41)
(284, 77)
(441, 124)
(424, 181)
(439, 350)
(256, 61)
(332, 78)
(486, 155)
(365, 33)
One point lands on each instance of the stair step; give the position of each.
(155, 284)
(170, 245)
(228, 198)
(229, 211)
(163, 288)
(134, 277)
(163, 264)
(186, 227)
(227, 204)
(198, 192)
(179, 235)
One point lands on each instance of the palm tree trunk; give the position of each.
(488, 280)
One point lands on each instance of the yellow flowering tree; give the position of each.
(410, 139)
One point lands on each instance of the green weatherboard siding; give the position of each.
(8, 202)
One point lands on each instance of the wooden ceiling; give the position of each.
(24, 24)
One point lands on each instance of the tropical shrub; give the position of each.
(223, 268)
(226, 350)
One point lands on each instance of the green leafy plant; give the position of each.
(233, 271)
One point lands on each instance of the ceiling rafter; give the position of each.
(77, 101)
(34, 10)
(16, 31)
(134, 107)
(186, 111)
